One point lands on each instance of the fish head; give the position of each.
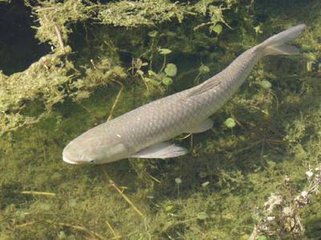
(87, 149)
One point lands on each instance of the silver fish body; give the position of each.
(143, 132)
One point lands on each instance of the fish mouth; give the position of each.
(67, 160)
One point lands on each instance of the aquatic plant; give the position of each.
(55, 76)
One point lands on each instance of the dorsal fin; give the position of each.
(205, 86)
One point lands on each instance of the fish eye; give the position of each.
(92, 161)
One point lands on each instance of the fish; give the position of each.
(145, 131)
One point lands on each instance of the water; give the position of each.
(218, 191)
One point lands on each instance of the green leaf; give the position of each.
(230, 123)
(164, 51)
(202, 216)
(178, 180)
(205, 184)
(152, 73)
(262, 237)
(167, 81)
(217, 28)
(152, 81)
(265, 84)
(258, 29)
(170, 69)
(140, 72)
(203, 69)
(169, 208)
(152, 34)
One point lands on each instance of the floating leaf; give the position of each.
(205, 184)
(170, 69)
(140, 72)
(230, 123)
(170, 34)
(152, 73)
(62, 235)
(178, 180)
(203, 69)
(169, 208)
(262, 237)
(164, 51)
(309, 65)
(202, 216)
(265, 84)
(152, 81)
(217, 28)
(167, 81)
(258, 29)
(152, 34)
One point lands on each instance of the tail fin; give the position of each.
(276, 45)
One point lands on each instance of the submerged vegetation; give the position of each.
(256, 175)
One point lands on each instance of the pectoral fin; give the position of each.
(161, 150)
(201, 127)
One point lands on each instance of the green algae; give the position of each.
(58, 74)
(219, 190)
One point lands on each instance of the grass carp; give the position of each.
(144, 131)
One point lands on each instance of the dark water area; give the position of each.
(18, 45)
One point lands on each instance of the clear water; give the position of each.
(219, 190)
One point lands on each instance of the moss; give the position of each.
(59, 74)
(140, 13)
(54, 19)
